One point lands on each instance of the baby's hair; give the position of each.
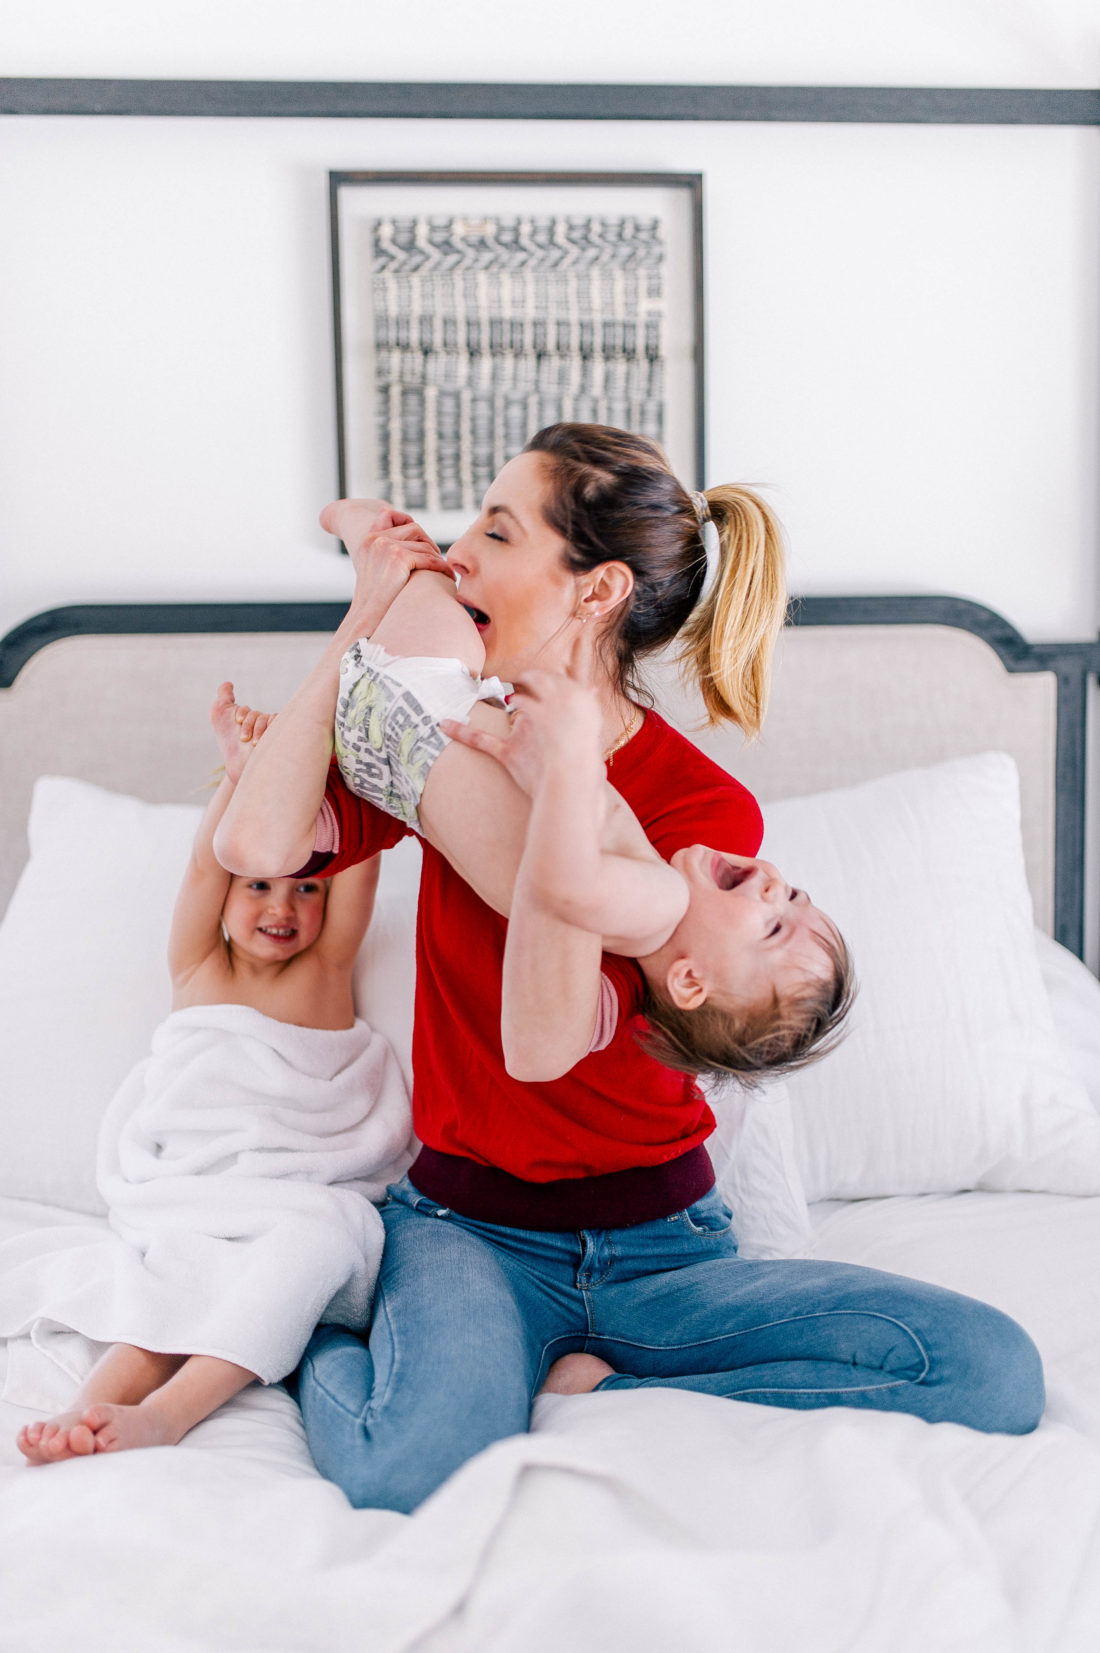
(748, 1044)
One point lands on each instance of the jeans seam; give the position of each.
(790, 1320)
(334, 1398)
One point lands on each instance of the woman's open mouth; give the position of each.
(477, 615)
(726, 874)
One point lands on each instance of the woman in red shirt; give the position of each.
(568, 1234)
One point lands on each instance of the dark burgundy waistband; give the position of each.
(617, 1199)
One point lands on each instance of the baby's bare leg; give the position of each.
(199, 1387)
(426, 618)
(125, 1374)
(473, 812)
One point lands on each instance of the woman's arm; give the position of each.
(271, 823)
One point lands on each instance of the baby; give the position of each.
(742, 973)
(239, 1161)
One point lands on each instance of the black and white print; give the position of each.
(487, 328)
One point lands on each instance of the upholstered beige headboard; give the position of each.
(852, 702)
(848, 703)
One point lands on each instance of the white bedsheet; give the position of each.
(636, 1522)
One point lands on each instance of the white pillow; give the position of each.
(1074, 994)
(756, 1171)
(385, 971)
(951, 1076)
(84, 979)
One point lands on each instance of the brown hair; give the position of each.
(747, 1043)
(613, 498)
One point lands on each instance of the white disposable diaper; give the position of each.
(387, 721)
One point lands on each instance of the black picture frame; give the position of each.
(471, 308)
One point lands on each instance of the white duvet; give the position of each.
(640, 1522)
(238, 1162)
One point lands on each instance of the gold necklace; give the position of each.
(628, 732)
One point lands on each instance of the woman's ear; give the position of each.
(684, 985)
(606, 588)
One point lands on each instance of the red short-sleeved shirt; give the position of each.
(618, 1108)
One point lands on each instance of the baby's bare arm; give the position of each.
(197, 914)
(590, 863)
(348, 910)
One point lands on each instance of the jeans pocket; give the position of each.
(710, 1215)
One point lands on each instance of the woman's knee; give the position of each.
(394, 1453)
(998, 1374)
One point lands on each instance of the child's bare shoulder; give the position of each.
(308, 991)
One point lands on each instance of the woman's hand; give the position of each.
(385, 547)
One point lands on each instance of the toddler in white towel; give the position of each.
(282, 947)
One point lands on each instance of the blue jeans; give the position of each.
(468, 1317)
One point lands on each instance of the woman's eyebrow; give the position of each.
(503, 511)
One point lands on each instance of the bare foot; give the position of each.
(237, 728)
(117, 1428)
(54, 1439)
(576, 1374)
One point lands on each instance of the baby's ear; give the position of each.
(685, 986)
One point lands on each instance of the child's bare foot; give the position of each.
(576, 1374)
(54, 1439)
(117, 1428)
(237, 728)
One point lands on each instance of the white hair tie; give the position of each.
(701, 506)
(709, 535)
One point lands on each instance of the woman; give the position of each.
(567, 1234)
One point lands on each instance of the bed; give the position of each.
(924, 772)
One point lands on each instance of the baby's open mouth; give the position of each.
(726, 875)
(278, 932)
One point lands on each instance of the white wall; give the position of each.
(902, 339)
(780, 42)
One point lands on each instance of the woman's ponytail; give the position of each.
(612, 498)
(728, 640)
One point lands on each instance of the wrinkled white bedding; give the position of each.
(636, 1522)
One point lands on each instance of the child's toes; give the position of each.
(81, 1440)
(94, 1418)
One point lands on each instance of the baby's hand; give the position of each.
(556, 727)
(237, 728)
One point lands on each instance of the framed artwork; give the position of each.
(471, 309)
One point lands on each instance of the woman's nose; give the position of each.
(458, 555)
